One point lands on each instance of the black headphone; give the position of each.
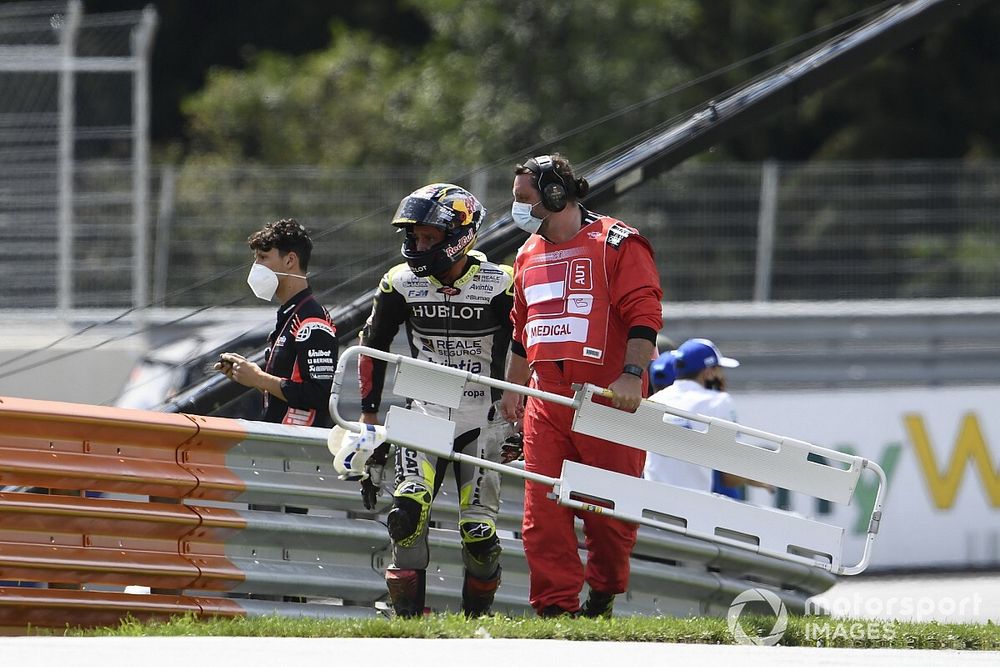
(550, 184)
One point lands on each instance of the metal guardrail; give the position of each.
(164, 501)
(848, 344)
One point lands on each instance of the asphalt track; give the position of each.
(275, 652)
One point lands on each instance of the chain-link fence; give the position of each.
(84, 224)
(73, 104)
(722, 232)
(859, 230)
(725, 232)
(205, 215)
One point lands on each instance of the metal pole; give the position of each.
(164, 217)
(765, 230)
(67, 119)
(142, 40)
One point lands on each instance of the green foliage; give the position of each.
(323, 108)
(801, 631)
(497, 78)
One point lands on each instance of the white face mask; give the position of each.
(521, 212)
(264, 282)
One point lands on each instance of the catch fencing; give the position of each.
(75, 99)
(721, 232)
(174, 503)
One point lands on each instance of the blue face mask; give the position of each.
(521, 212)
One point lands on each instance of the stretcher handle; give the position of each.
(873, 521)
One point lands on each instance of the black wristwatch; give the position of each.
(632, 369)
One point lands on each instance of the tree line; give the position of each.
(481, 80)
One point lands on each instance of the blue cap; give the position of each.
(697, 353)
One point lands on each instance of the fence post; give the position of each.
(164, 218)
(769, 183)
(479, 185)
(67, 139)
(141, 42)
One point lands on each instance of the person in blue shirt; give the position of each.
(692, 378)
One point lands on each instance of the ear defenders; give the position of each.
(550, 184)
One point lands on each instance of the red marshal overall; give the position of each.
(574, 306)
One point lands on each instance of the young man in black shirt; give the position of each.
(302, 350)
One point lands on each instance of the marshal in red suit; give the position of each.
(587, 307)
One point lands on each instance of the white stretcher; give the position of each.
(715, 443)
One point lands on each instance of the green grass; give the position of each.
(801, 631)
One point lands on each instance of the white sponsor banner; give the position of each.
(558, 330)
(939, 447)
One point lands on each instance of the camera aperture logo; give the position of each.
(752, 595)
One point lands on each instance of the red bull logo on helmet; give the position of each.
(462, 244)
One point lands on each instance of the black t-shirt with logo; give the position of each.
(302, 350)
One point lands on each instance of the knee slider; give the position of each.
(408, 517)
(480, 541)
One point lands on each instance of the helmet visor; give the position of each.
(420, 211)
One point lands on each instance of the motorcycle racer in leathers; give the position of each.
(455, 306)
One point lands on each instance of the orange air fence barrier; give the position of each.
(71, 446)
(21, 608)
(95, 541)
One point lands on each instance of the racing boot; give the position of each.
(407, 589)
(477, 594)
(481, 554)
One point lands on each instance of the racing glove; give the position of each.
(371, 482)
(512, 449)
(502, 440)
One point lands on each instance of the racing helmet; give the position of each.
(450, 208)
